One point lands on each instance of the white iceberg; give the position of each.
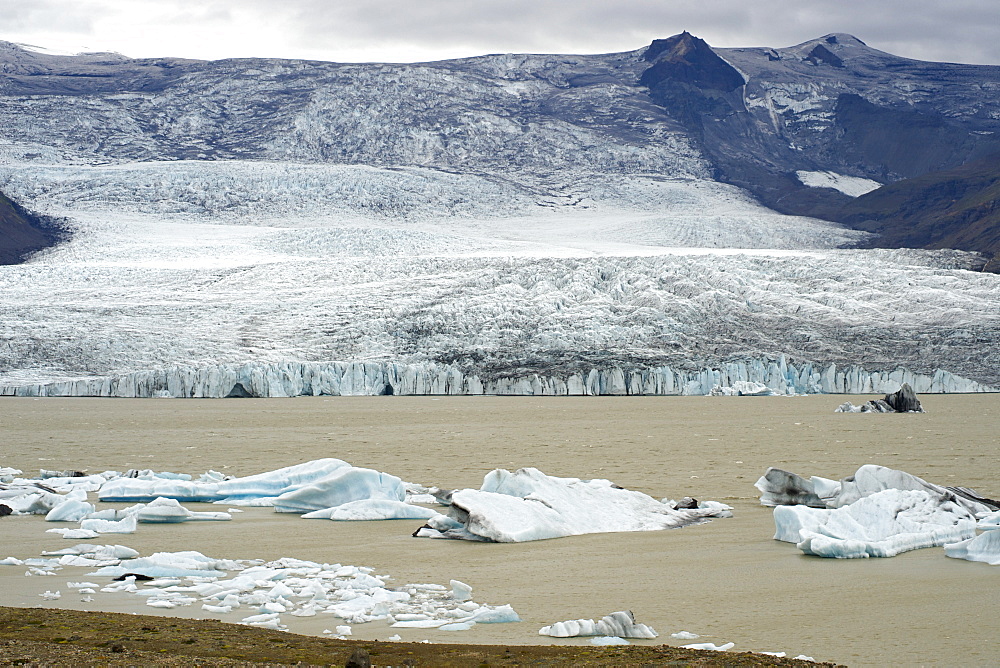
(269, 484)
(985, 548)
(882, 524)
(126, 525)
(529, 505)
(170, 564)
(163, 510)
(70, 510)
(710, 646)
(341, 486)
(372, 509)
(617, 624)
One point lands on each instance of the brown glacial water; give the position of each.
(726, 580)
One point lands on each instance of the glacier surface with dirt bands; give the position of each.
(506, 224)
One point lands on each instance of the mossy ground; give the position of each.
(44, 637)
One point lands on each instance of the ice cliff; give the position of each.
(295, 379)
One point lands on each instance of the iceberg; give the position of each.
(882, 524)
(73, 509)
(269, 484)
(530, 505)
(780, 487)
(339, 487)
(126, 525)
(985, 548)
(170, 564)
(710, 646)
(372, 509)
(618, 624)
(163, 510)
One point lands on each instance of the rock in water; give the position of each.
(904, 400)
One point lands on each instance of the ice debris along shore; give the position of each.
(293, 379)
(528, 505)
(878, 512)
(273, 594)
(510, 507)
(256, 593)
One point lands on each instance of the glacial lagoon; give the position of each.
(726, 580)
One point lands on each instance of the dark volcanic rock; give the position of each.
(955, 208)
(689, 60)
(821, 54)
(22, 233)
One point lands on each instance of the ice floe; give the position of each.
(530, 505)
(262, 592)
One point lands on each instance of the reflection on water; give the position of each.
(725, 580)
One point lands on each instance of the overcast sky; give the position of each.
(415, 30)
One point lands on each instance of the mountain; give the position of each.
(504, 217)
(22, 233)
(954, 208)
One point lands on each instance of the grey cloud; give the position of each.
(51, 15)
(960, 30)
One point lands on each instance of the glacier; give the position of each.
(293, 379)
(511, 224)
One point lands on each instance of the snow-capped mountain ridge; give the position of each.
(505, 217)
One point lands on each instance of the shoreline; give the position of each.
(72, 638)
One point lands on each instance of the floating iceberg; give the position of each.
(985, 547)
(171, 564)
(904, 400)
(262, 485)
(373, 509)
(339, 487)
(882, 524)
(529, 505)
(710, 646)
(780, 487)
(741, 388)
(617, 624)
(73, 509)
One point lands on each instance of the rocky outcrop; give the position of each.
(22, 233)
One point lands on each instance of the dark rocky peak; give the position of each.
(687, 59)
(843, 39)
(821, 55)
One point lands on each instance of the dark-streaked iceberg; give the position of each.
(530, 505)
(883, 524)
(877, 512)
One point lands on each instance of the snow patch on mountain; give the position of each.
(852, 186)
